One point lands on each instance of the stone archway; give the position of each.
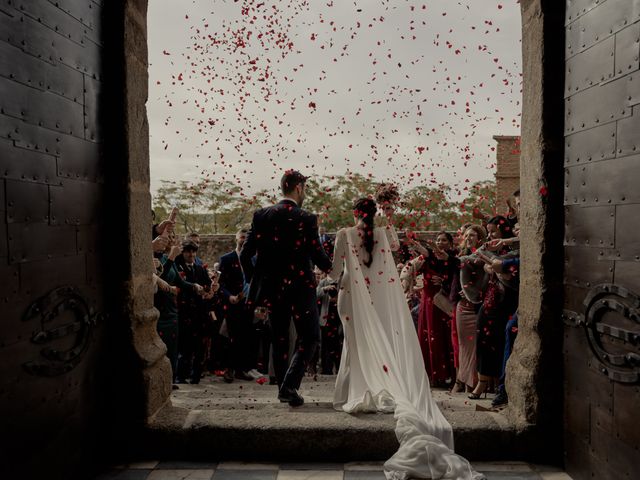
(535, 379)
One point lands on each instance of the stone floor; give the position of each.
(321, 471)
(213, 394)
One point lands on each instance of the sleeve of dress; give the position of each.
(392, 237)
(339, 252)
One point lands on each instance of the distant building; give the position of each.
(507, 169)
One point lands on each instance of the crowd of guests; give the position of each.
(206, 323)
(462, 291)
(463, 294)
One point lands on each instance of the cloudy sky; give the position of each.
(408, 91)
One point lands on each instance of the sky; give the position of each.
(410, 92)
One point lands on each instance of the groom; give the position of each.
(284, 238)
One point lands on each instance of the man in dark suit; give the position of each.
(237, 315)
(284, 239)
(192, 316)
(326, 241)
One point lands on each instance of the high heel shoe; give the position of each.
(476, 395)
(458, 387)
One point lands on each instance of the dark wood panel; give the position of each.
(591, 67)
(597, 143)
(603, 183)
(27, 202)
(602, 139)
(628, 49)
(31, 71)
(585, 268)
(627, 274)
(41, 108)
(26, 165)
(599, 23)
(590, 226)
(34, 242)
(628, 138)
(75, 203)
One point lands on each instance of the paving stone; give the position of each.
(247, 466)
(136, 474)
(501, 467)
(246, 474)
(178, 465)
(312, 466)
(512, 476)
(363, 475)
(181, 475)
(150, 465)
(364, 466)
(310, 475)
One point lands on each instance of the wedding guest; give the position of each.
(195, 238)
(499, 303)
(506, 267)
(467, 312)
(214, 301)
(434, 330)
(513, 204)
(241, 363)
(325, 240)
(193, 316)
(166, 301)
(330, 325)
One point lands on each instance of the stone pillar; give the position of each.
(138, 296)
(507, 169)
(534, 372)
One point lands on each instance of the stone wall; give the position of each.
(507, 168)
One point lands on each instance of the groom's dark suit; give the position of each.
(285, 240)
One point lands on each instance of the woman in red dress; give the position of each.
(434, 325)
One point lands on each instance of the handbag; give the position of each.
(441, 301)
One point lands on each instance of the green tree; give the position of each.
(332, 197)
(480, 201)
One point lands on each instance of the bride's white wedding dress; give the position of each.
(381, 367)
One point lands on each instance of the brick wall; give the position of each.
(507, 168)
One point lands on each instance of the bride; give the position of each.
(381, 369)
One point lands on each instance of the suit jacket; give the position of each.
(231, 276)
(188, 300)
(284, 239)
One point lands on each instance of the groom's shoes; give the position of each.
(290, 396)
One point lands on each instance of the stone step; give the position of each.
(214, 421)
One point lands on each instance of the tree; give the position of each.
(427, 208)
(481, 199)
(332, 197)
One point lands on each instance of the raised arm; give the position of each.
(249, 249)
(339, 253)
(392, 237)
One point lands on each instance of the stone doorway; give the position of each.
(535, 411)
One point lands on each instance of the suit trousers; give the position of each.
(191, 347)
(299, 305)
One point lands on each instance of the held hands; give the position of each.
(494, 245)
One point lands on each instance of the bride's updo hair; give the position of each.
(365, 209)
